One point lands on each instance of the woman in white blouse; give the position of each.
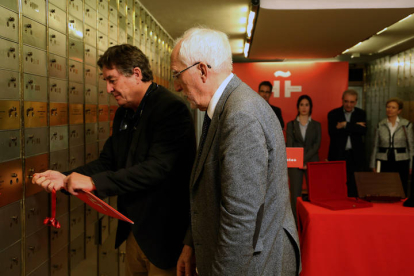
(303, 132)
(393, 145)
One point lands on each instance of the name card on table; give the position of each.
(294, 157)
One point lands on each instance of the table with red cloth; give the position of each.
(367, 241)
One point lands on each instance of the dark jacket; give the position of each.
(312, 140)
(278, 113)
(151, 178)
(339, 137)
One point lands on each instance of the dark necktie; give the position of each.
(206, 125)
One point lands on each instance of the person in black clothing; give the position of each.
(265, 90)
(347, 127)
(146, 162)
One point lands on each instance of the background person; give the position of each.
(265, 91)
(393, 144)
(303, 132)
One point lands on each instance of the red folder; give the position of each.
(294, 157)
(327, 186)
(101, 206)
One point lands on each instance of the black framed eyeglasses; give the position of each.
(175, 76)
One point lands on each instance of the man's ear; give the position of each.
(137, 73)
(204, 71)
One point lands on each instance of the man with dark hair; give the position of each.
(146, 162)
(265, 90)
(347, 127)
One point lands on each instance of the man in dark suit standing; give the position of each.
(347, 127)
(265, 90)
(146, 162)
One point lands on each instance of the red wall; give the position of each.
(324, 82)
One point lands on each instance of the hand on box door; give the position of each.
(49, 180)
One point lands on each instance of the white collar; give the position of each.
(216, 97)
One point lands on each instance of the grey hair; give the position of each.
(206, 45)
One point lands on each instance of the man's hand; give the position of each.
(363, 124)
(76, 181)
(49, 180)
(340, 125)
(186, 263)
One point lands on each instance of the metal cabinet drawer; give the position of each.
(36, 141)
(59, 161)
(75, 114)
(59, 3)
(76, 49)
(59, 264)
(103, 113)
(122, 34)
(122, 6)
(76, 92)
(75, 202)
(42, 270)
(34, 61)
(58, 114)
(76, 157)
(77, 222)
(112, 111)
(113, 32)
(75, 27)
(34, 164)
(91, 3)
(36, 249)
(58, 90)
(9, 24)
(90, 16)
(90, 74)
(102, 43)
(108, 258)
(34, 34)
(122, 261)
(57, 18)
(103, 229)
(76, 8)
(113, 224)
(10, 227)
(35, 114)
(59, 138)
(37, 209)
(101, 146)
(57, 43)
(113, 12)
(76, 135)
(35, 88)
(77, 251)
(103, 131)
(91, 153)
(91, 94)
(10, 145)
(91, 243)
(102, 23)
(11, 183)
(90, 36)
(35, 9)
(59, 238)
(103, 96)
(9, 81)
(103, 7)
(91, 217)
(11, 261)
(57, 66)
(112, 42)
(91, 133)
(90, 54)
(9, 55)
(11, 4)
(75, 71)
(9, 115)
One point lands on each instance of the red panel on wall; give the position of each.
(324, 82)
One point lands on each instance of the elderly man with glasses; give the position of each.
(241, 219)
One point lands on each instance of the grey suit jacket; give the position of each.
(241, 219)
(312, 141)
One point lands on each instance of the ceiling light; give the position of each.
(242, 30)
(347, 50)
(243, 20)
(246, 49)
(250, 24)
(393, 45)
(383, 30)
(405, 18)
(245, 9)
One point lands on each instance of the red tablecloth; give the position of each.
(367, 241)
